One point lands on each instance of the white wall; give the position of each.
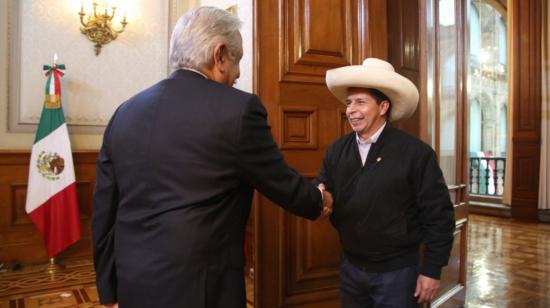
(93, 86)
(31, 31)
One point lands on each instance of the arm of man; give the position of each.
(438, 224)
(105, 202)
(264, 168)
(324, 182)
(324, 176)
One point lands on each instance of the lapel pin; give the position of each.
(378, 159)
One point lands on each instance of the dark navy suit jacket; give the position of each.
(175, 178)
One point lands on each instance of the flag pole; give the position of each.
(52, 202)
(53, 267)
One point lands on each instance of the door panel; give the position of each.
(315, 37)
(297, 261)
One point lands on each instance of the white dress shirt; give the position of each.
(364, 146)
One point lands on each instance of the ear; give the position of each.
(384, 106)
(220, 57)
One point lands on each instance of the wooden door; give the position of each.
(297, 261)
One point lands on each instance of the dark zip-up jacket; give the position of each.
(386, 208)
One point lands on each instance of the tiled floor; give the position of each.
(508, 266)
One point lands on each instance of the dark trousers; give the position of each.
(360, 289)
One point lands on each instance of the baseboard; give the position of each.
(544, 216)
(499, 210)
(491, 209)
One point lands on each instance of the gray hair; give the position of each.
(198, 32)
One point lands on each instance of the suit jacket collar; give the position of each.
(183, 73)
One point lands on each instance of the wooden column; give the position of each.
(404, 50)
(525, 17)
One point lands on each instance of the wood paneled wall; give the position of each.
(20, 241)
(526, 105)
(404, 50)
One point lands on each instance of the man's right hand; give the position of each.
(328, 201)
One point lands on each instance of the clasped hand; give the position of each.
(328, 202)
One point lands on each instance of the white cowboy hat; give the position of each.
(376, 74)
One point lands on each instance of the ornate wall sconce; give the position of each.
(97, 26)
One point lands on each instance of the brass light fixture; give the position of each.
(97, 26)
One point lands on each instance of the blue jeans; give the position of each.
(359, 289)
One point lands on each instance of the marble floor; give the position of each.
(508, 266)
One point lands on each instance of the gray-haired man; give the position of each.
(176, 173)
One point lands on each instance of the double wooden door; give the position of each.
(296, 42)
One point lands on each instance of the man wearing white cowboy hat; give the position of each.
(389, 193)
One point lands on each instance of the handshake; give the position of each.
(328, 202)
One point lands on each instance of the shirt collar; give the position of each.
(196, 71)
(372, 138)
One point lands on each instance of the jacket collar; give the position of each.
(374, 137)
(376, 148)
(186, 73)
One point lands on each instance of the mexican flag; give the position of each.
(51, 195)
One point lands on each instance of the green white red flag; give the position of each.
(51, 195)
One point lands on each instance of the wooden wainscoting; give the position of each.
(20, 241)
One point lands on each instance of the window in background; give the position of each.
(488, 100)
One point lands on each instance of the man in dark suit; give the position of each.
(389, 193)
(176, 173)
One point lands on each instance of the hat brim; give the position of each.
(400, 90)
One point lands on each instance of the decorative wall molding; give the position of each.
(93, 86)
(298, 128)
(307, 54)
(305, 268)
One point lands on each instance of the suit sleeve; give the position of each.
(436, 214)
(262, 166)
(324, 174)
(105, 202)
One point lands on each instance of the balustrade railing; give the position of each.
(487, 176)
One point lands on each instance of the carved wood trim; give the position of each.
(298, 128)
(300, 61)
